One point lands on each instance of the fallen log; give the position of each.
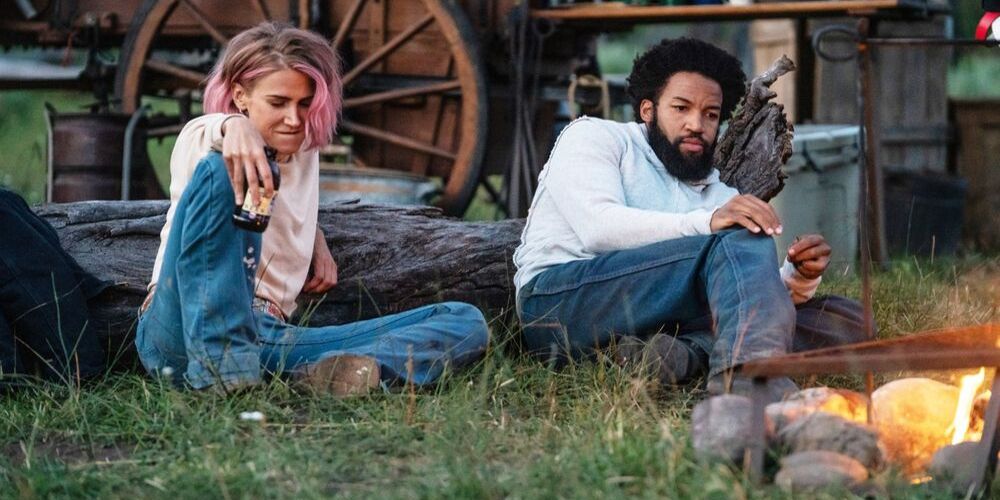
(389, 259)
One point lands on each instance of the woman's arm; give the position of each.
(323, 270)
(243, 152)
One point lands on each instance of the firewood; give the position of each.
(758, 141)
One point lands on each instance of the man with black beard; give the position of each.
(632, 244)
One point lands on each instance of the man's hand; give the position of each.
(243, 152)
(810, 254)
(323, 269)
(747, 211)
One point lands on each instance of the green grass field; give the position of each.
(508, 428)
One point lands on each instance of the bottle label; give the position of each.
(262, 208)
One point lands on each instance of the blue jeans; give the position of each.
(720, 294)
(201, 324)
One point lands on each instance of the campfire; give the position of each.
(922, 427)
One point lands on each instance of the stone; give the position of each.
(913, 418)
(827, 432)
(818, 469)
(953, 466)
(850, 405)
(720, 427)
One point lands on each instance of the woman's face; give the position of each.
(277, 106)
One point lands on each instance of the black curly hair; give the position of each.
(651, 70)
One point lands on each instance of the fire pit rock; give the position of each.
(819, 469)
(850, 405)
(720, 427)
(912, 417)
(823, 431)
(954, 465)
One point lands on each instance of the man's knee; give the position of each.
(748, 242)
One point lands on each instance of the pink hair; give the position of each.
(271, 47)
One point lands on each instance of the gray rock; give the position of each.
(953, 466)
(823, 431)
(818, 469)
(720, 427)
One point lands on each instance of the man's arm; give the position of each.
(807, 259)
(584, 178)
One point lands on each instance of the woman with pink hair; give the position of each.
(220, 296)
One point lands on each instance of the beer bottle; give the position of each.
(255, 217)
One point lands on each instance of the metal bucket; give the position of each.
(86, 152)
(372, 185)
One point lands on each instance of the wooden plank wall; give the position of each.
(977, 159)
(911, 97)
(911, 115)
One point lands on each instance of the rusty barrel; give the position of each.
(86, 158)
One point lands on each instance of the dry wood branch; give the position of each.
(759, 139)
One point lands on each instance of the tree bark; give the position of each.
(759, 139)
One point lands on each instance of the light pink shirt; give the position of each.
(290, 236)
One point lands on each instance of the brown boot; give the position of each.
(341, 376)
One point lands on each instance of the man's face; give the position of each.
(683, 124)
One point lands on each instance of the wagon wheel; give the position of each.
(415, 95)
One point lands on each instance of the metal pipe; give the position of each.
(27, 9)
(133, 123)
(920, 41)
(50, 114)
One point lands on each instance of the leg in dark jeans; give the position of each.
(43, 299)
(573, 309)
(823, 321)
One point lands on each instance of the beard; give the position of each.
(684, 167)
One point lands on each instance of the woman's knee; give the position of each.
(211, 177)
(469, 314)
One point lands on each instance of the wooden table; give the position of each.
(614, 12)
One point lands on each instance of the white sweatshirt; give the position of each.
(603, 189)
(291, 234)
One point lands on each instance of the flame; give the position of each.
(966, 398)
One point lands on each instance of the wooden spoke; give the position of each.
(347, 24)
(261, 9)
(390, 95)
(414, 95)
(304, 14)
(396, 139)
(390, 46)
(204, 22)
(166, 68)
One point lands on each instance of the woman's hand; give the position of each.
(243, 152)
(323, 270)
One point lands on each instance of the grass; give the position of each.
(506, 428)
